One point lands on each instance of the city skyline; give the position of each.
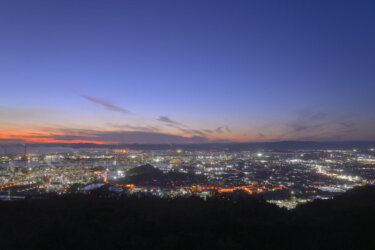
(186, 72)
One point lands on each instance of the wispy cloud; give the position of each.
(200, 132)
(166, 119)
(179, 126)
(261, 135)
(135, 128)
(222, 129)
(193, 132)
(186, 130)
(12, 141)
(106, 104)
(312, 124)
(141, 137)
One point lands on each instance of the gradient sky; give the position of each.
(186, 71)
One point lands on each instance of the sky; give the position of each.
(186, 71)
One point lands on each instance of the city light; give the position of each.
(280, 175)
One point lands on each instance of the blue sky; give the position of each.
(266, 70)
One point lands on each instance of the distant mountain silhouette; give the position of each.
(277, 145)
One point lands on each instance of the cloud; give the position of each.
(308, 120)
(136, 128)
(106, 104)
(185, 129)
(261, 135)
(312, 124)
(12, 141)
(166, 119)
(198, 132)
(140, 137)
(222, 129)
(181, 127)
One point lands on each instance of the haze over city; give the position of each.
(186, 71)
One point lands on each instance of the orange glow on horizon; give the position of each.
(29, 136)
(40, 136)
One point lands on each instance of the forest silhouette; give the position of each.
(101, 221)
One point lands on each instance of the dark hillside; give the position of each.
(89, 222)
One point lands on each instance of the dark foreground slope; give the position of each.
(89, 222)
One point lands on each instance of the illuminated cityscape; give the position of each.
(283, 178)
